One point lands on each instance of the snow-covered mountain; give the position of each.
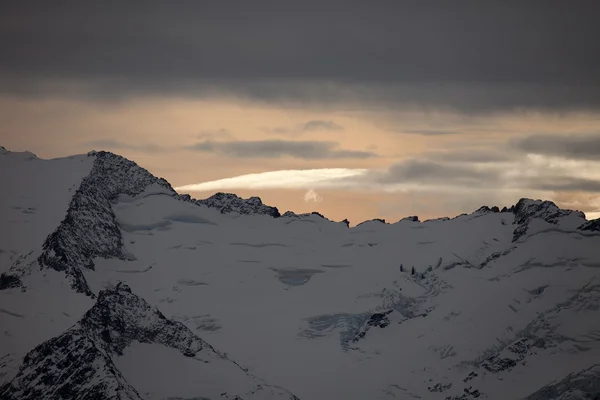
(115, 286)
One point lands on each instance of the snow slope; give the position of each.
(34, 197)
(502, 305)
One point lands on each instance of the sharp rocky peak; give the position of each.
(527, 210)
(79, 363)
(120, 317)
(89, 228)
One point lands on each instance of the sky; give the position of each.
(357, 110)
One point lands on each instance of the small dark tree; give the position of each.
(401, 268)
(412, 272)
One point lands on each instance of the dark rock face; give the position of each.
(89, 229)
(120, 317)
(592, 226)
(71, 366)
(412, 218)
(514, 354)
(486, 209)
(9, 281)
(526, 209)
(469, 394)
(380, 320)
(79, 363)
(439, 388)
(230, 203)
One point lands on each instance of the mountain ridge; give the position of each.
(493, 304)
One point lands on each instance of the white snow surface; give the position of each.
(34, 197)
(296, 300)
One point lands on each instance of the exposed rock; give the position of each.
(527, 209)
(412, 218)
(230, 203)
(593, 226)
(512, 355)
(486, 209)
(90, 229)
(79, 364)
(380, 320)
(439, 388)
(8, 281)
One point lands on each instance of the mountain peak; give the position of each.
(89, 229)
(83, 361)
(228, 203)
(527, 210)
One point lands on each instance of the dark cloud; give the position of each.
(428, 172)
(111, 144)
(472, 155)
(432, 132)
(470, 55)
(432, 173)
(215, 134)
(309, 126)
(567, 184)
(308, 150)
(318, 125)
(586, 147)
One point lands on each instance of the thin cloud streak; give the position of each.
(283, 179)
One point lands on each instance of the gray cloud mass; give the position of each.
(423, 171)
(308, 150)
(586, 147)
(309, 126)
(470, 55)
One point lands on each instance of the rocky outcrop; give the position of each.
(228, 203)
(412, 218)
(486, 209)
(379, 320)
(592, 226)
(79, 364)
(527, 209)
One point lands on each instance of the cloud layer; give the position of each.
(307, 150)
(447, 55)
(583, 147)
